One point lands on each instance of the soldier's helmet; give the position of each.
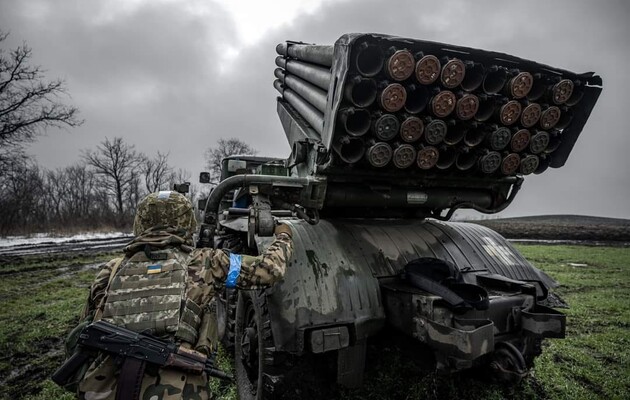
(165, 208)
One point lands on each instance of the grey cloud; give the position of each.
(189, 103)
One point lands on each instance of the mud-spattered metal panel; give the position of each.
(332, 276)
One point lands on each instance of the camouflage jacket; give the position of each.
(208, 271)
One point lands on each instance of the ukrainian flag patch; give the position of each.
(154, 269)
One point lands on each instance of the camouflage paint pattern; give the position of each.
(164, 208)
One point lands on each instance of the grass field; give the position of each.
(42, 296)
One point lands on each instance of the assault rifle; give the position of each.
(124, 343)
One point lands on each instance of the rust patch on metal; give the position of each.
(411, 129)
(562, 91)
(393, 97)
(510, 164)
(550, 117)
(443, 103)
(520, 140)
(521, 84)
(428, 69)
(428, 157)
(510, 112)
(531, 115)
(453, 73)
(467, 107)
(400, 65)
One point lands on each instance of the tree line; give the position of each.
(100, 191)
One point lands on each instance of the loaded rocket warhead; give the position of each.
(427, 157)
(356, 121)
(539, 142)
(435, 131)
(369, 60)
(520, 85)
(400, 65)
(499, 138)
(495, 79)
(520, 140)
(443, 103)
(562, 91)
(510, 164)
(411, 129)
(393, 97)
(530, 115)
(361, 91)
(428, 69)
(490, 162)
(379, 154)
(417, 98)
(529, 164)
(404, 156)
(350, 149)
(550, 117)
(510, 112)
(447, 157)
(466, 159)
(474, 76)
(467, 106)
(453, 73)
(386, 127)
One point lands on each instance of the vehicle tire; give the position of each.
(259, 375)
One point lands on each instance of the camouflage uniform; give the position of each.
(207, 271)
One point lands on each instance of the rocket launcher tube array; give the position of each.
(477, 110)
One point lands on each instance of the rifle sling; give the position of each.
(130, 379)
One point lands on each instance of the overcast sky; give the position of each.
(177, 75)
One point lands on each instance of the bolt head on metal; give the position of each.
(428, 69)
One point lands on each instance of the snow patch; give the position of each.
(47, 238)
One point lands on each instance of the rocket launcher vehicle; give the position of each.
(402, 127)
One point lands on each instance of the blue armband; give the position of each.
(234, 272)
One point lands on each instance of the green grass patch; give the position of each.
(42, 298)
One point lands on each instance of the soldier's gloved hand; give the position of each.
(283, 228)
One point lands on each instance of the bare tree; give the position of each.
(157, 173)
(225, 148)
(117, 161)
(28, 103)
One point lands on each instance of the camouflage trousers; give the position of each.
(100, 383)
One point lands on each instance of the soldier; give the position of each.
(164, 285)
